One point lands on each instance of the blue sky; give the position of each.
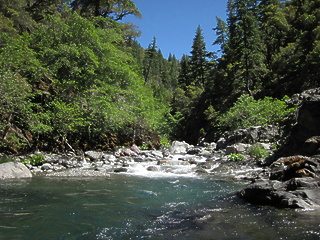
(174, 22)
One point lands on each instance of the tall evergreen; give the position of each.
(245, 50)
(198, 59)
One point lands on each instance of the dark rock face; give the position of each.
(294, 181)
(14, 170)
(305, 124)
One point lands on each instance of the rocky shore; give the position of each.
(205, 158)
(287, 177)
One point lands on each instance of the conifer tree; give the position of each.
(184, 78)
(245, 47)
(198, 59)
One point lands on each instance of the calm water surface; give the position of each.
(135, 207)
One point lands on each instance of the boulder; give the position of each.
(312, 145)
(179, 147)
(278, 194)
(14, 170)
(237, 148)
(94, 155)
(46, 167)
(152, 168)
(135, 149)
(122, 169)
(291, 167)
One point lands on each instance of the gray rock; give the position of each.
(14, 170)
(166, 162)
(179, 147)
(249, 135)
(94, 155)
(46, 167)
(237, 148)
(152, 168)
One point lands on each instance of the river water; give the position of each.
(136, 206)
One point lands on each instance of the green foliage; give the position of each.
(257, 152)
(73, 78)
(35, 160)
(234, 157)
(4, 160)
(248, 112)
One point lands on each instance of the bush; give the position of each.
(235, 157)
(257, 152)
(35, 160)
(248, 112)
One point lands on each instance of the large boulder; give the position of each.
(293, 167)
(280, 194)
(179, 147)
(14, 170)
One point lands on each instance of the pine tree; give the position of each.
(184, 78)
(222, 34)
(198, 59)
(245, 49)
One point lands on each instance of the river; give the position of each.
(136, 206)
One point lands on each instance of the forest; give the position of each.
(73, 75)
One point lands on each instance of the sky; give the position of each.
(174, 23)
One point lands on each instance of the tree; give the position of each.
(184, 78)
(198, 59)
(245, 49)
(222, 34)
(113, 9)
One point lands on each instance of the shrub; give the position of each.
(248, 112)
(35, 160)
(257, 152)
(235, 157)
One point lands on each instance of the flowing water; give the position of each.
(143, 205)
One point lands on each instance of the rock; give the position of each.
(237, 148)
(46, 167)
(293, 183)
(109, 158)
(194, 151)
(179, 147)
(275, 193)
(135, 149)
(128, 152)
(122, 169)
(94, 155)
(249, 135)
(165, 162)
(157, 154)
(312, 145)
(292, 167)
(304, 123)
(14, 170)
(152, 168)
